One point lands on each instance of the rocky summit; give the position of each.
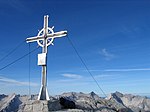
(75, 102)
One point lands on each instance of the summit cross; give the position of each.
(45, 38)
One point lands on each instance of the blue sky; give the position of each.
(111, 36)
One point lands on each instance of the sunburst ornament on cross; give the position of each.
(45, 38)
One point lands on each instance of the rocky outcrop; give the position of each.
(66, 103)
(75, 102)
(134, 103)
(3, 96)
(92, 102)
(10, 103)
(40, 106)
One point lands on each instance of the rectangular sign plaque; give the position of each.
(42, 59)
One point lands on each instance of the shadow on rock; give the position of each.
(66, 103)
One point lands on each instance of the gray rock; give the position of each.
(54, 105)
(9, 103)
(116, 102)
(40, 106)
(134, 103)
(70, 110)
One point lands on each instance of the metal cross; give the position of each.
(45, 38)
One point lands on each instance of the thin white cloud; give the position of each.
(121, 70)
(127, 70)
(102, 76)
(130, 82)
(17, 5)
(72, 76)
(15, 82)
(107, 55)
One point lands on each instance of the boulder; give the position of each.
(66, 103)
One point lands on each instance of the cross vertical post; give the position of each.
(45, 38)
(43, 91)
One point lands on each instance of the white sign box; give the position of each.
(42, 59)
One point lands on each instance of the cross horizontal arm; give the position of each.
(53, 35)
(33, 39)
(57, 34)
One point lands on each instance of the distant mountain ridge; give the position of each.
(115, 102)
